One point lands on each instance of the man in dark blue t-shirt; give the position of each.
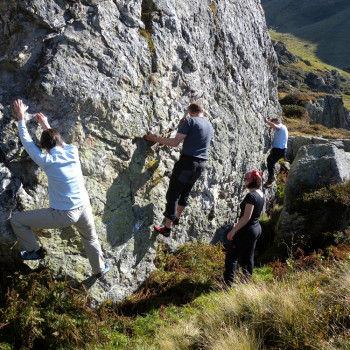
(196, 132)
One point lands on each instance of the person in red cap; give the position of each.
(243, 236)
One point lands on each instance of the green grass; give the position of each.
(304, 310)
(286, 306)
(321, 22)
(36, 311)
(346, 99)
(297, 127)
(304, 49)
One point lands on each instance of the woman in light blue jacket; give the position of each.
(69, 200)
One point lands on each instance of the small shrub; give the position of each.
(298, 99)
(342, 237)
(267, 249)
(335, 196)
(325, 210)
(38, 312)
(294, 111)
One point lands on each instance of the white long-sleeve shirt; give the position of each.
(62, 167)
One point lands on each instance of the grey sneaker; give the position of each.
(102, 274)
(33, 255)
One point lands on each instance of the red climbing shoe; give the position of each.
(165, 231)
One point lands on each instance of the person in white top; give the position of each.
(69, 200)
(279, 147)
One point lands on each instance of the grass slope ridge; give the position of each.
(323, 22)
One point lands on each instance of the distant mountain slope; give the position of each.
(323, 22)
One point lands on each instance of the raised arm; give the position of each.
(20, 109)
(27, 142)
(272, 125)
(42, 120)
(167, 141)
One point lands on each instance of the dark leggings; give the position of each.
(275, 155)
(186, 172)
(242, 246)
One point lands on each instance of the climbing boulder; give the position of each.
(105, 72)
(315, 166)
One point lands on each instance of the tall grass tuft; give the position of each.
(305, 310)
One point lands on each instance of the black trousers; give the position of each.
(242, 246)
(186, 172)
(275, 155)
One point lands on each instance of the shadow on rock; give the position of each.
(128, 211)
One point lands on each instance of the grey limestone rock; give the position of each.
(329, 111)
(104, 72)
(283, 55)
(314, 166)
(295, 142)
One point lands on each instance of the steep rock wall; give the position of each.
(104, 72)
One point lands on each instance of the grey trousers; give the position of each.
(80, 217)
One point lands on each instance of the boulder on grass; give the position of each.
(315, 167)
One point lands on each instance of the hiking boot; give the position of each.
(165, 231)
(102, 274)
(33, 255)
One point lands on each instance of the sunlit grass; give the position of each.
(304, 309)
(346, 99)
(304, 49)
(298, 127)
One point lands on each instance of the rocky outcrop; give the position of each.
(315, 165)
(283, 55)
(104, 72)
(329, 111)
(295, 142)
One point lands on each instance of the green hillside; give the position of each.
(323, 22)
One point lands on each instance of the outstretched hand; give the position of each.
(150, 137)
(20, 108)
(42, 120)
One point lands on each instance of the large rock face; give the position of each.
(315, 165)
(104, 72)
